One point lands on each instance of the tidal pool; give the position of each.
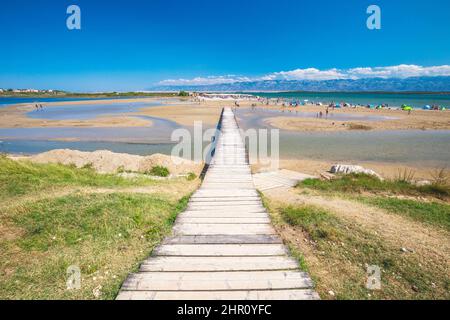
(27, 147)
(88, 111)
(403, 146)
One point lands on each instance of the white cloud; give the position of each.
(204, 80)
(309, 74)
(400, 71)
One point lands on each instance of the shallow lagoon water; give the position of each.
(7, 101)
(159, 132)
(88, 111)
(409, 146)
(402, 146)
(38, 146)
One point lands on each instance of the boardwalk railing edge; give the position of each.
(210, 154)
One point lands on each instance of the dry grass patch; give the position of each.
(337, 251)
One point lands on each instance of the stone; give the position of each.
(350, 169)
(423, 183)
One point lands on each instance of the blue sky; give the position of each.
(133, 44)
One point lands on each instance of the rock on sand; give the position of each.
(349, 169)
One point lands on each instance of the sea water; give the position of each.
(415, 100)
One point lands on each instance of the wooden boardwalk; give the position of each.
(223, 246)
(278, 179)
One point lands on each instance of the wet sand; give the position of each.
(183, 112)
(16, 116)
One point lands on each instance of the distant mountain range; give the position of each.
(435, 84)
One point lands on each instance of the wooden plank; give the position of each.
(229, 203)
(222, 229)
(197, 264)
(222, 250)
(235, 198)
(221, 214)
(304, 294)
(224, 239)
(228, 209)
(221, 220)
(206, 281)
(225, 206)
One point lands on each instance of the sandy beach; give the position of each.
(394, 119)
(208, 112)
(186, 112)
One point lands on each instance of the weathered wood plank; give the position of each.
(197, 264)
(224, 239)
(221, 220)
(219, 210)
(306, 294)
(194, 281)
(222, 250)
(222, 229)
(221, 214)
(229, 203)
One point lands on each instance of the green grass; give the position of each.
(159, 171)
(434, 213)
(18, 178)
(314, 220)
(106, 235)
(366, 183)
(191, 176)
(341, 252)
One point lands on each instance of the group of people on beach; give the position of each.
(320, 114)
(39, 107)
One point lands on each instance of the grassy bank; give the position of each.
(20, 178)
(433, 213)
(106, 233)
(359, 183)
(337, 253)
(427, 204)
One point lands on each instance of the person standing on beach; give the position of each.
(327, 113)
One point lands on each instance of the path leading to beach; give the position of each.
(223, 246)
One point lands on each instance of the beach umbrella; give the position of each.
(427, 107)
(406, 108)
